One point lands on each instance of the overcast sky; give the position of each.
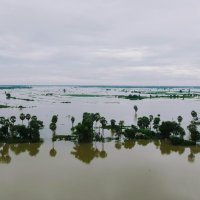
(115, 42)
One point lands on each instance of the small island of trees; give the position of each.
(13, 133)
(147, 128)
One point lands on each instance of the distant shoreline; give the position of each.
(96, 86)
(2, 87)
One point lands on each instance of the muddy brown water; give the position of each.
(114, 170)
(142, 170)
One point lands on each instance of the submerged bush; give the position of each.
(84, 130)
(143, 122)
(130, 133)
(194, 133)
(168, 128)
(147, 132)
(181, 142)
(141, 136)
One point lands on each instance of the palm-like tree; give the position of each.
(2, 120)
(180, 119)
(150, 119)
(22, 117)
(121, 124)
(135, 108)
(97, 117)
(53, 127)
(156, 122)
(12, 129)
(13, 119)
(72, 120)
(103, 123)
(54, 119)
(112, 123)
(194, 115)
(28, 117)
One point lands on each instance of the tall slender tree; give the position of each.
(22, 117)
(135, 108)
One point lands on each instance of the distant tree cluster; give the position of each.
(147, 128)
(11, 132)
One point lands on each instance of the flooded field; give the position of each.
(112, 170)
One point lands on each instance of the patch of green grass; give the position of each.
(4, 106)
(86, 95)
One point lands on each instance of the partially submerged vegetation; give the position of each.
(20, 107)
(13, 133)
(132, 97)
(4, 106)
(147, 128)
(140, 95)
(66, 102)
(9, 87)
(87, 95)
(8, 96)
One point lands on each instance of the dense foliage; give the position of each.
(11, 132)
(147, 128)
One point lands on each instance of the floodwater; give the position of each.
(113, 170)
(130, 170)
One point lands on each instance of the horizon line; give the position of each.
(98, 85)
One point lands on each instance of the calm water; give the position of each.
(130, 170)
(114, 170)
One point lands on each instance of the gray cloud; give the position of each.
(135, 42)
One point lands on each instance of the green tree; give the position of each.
(34, 118)
(103, 122)
(121, 124)
(150, 118)
(135, 108)
(180, 119)
(143, 122)
(54, 119)
(8, 95)
(156, 123)
(194, 114)
(72, 120)
(84, 130)
(194, 133)
(22, 117)
(13, 119)
(168, 128)
(28, 117)
(53, 127)
(97, 117)
(112, 123)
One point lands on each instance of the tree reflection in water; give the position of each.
(164, 146)
(31, 148)
(53, 151)
(4, 154)
(86, 152)
(118, 144)
(129, 144)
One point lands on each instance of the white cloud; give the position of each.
(100, 42)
